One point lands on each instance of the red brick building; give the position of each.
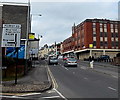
(94, 37)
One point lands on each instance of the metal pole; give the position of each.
(16, 58)
(26, 43)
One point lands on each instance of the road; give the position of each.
(83, 82)
(76, 82)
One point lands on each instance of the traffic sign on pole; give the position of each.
(9, 33)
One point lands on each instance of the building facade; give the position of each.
(94, 37)
(16, 13)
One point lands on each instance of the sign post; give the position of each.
(11, 38)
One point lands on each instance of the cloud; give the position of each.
(57, 18)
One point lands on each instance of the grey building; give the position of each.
(15, 13)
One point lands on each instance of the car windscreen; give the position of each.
(53, 58)
(72, 59)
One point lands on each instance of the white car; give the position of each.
(70, 62)
(52, 60)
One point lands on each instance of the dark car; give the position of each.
(70, 62)
(103, 58)
(53, 60)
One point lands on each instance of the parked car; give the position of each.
(103, 58)
(70, 62)
(52, 60)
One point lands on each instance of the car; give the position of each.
(52, 60)
(70, 62)
(103, 58)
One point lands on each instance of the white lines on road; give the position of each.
(52, 97)
(51, 91)
(11, 97)
(30, 94)
(66, 68)
(85, 78)
(73, 72)
(83, 67)
(112, 88)
(114, 76)
(63, 66)
(60, 94)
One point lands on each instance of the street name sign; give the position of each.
(11, 35)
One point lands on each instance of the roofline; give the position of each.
(14, 3)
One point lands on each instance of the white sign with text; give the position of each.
(11, 35)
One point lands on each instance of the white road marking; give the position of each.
(85, 78)
(11, 97)
(51, 91)
(112, 88)
(114, 76)
(30, 94)
(60, 94)
(83, 67)
(52, 97)
(65, 68)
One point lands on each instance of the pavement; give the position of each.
(37, 80)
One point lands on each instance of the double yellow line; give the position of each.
(55, 85)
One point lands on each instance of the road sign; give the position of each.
(11, 35)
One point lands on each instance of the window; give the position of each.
(94, 35)
(112, 30)
(105, 43)
(116, 39)
(94, 29)
(105, 25)
(101, 24)
(94, 38)
(116, 26)
(101, 43)
(113, 34)
(105, 38)
(112, 39)
(101, 38)
(116, 34)
(101, 34)
(101, 29)
(116, 30)
(105, 29)
(94, 25)
(105, 34)
(112, 44)
(116, 43)
(94, 43)
(111, 25)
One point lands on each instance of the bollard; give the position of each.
(91, 64)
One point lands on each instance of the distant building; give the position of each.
(94, 37)
(54, 49)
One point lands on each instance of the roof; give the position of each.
(13, 3)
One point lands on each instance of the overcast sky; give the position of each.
(58, 17)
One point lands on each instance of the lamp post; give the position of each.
(39, 37)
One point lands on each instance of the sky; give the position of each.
(58, 16)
